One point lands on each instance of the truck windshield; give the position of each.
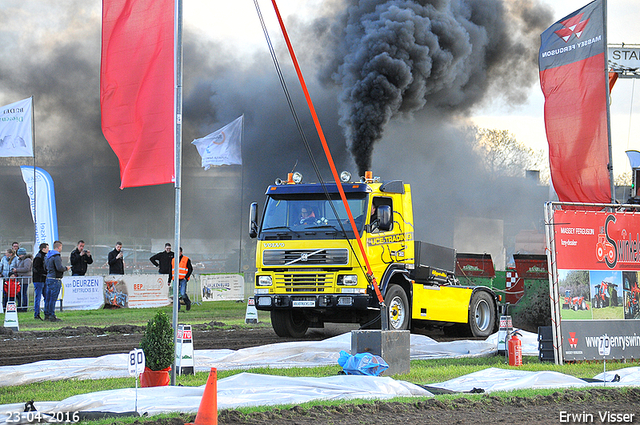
(312, 215)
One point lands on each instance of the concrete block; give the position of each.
(392, 346)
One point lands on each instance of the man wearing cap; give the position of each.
(23, 269)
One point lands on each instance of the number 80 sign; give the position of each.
(136, 361)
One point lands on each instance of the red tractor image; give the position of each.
(605, 250)
(632, 307)
(605, 295)
(574, 303)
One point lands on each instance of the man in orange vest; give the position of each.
(185, 270)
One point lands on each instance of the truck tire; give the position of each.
(398, 307)
(482, 314)
(289, 323)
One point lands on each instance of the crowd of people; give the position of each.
(18, 269)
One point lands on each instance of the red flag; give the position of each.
(137, 88)
(574, 82)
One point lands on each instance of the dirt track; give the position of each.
(26, 347)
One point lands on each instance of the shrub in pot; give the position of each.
(157, 344)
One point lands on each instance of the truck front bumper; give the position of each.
(311, 301)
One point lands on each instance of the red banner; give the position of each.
(137, 88)
(587, 240)
(574, 83)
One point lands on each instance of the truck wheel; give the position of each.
(289, 323)
(482, 315)
(398, 306)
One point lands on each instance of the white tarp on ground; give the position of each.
(495, 379)
(245, 389)
(281, 355)
(248, 389)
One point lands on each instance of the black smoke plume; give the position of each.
(395, 57)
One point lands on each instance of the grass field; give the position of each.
(423, 372)
(229, 312)
(608, 313)
(569, 314)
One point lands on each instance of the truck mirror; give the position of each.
(384, 218)
(253, 220)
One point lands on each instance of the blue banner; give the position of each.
(43, 204)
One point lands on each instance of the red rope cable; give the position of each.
(327, 153)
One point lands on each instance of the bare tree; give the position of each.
(503, 155)
(624, 179)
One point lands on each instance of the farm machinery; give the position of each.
(606, 294)
(574, 303)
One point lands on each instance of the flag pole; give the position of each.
(606, 80)
(241, 198)
(33, 146)
(178, 172)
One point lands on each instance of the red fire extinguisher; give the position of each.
(515, 349)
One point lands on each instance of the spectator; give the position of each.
(115, 260)
(55, 270)
(9, 262)
(184, 273)
(15, 246)
(23, 269)
(80, 258)
(162, 260)
(11, 288)
(39, 278)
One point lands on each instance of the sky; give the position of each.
(238, 27)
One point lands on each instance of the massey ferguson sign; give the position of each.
(597, 240)
(595, 284)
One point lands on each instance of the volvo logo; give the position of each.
(304, 256)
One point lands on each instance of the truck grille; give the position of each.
(304, 257)
(307, 282)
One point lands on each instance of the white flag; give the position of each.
(15, 129)
(222, 147)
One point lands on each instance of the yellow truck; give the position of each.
(310, 269)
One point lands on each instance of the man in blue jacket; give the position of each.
(55, 270)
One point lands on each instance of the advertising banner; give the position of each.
(220, 287)
(16, 137)
(42, 198)
(597, 241)
(595, 282)
(82, 292)
(580, 339)
(572, 72)
(136, 291)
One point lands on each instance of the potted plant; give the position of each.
(158, 347)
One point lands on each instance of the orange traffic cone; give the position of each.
(208, 410)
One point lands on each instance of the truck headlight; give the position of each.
(348, 280)
(264, 281)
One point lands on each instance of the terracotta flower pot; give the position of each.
(155, 378)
